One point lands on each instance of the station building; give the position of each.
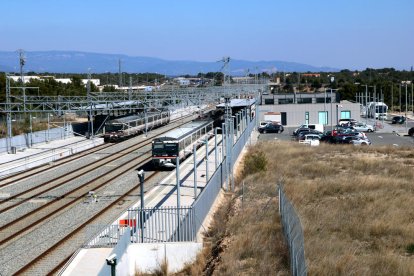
(308, 108)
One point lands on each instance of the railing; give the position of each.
(172, 224)
(292, 229)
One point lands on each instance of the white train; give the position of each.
(377, 110)
(179, 142)
(123, 128)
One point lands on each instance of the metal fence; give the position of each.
(30, 139)
(292, 229)
(172, 224)
(164, 224)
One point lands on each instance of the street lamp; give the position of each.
(141, 176)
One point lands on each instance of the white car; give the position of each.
(311, 140)
(357, 141)
(363, 127)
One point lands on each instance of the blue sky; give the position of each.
(353, 34)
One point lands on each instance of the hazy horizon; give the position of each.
(347, 34)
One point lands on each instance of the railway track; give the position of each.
(21, 226)
(4, 181)
(71, 240)
(38, 190)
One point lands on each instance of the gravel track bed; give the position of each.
(30, 205)
(72, 166)
(20, 252)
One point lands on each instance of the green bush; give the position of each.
(254, 162)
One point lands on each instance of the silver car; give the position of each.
(358, 141)
(363, 127)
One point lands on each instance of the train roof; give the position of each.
(184, 130)
(124, 120)
(238, 103)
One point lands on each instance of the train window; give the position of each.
(158, 146)
(171, 149)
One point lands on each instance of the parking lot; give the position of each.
(386, 134)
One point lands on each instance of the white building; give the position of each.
(96, 82)
(25, 78)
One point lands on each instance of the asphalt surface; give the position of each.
(386, 134)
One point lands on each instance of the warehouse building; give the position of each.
(308, 108)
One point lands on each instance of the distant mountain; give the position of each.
(79, 62)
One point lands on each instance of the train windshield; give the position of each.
(381, 109)
(165, 149)
(113, 128)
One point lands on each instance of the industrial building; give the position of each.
(308, 108)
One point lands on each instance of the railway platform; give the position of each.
(45, 153)
(148, 256)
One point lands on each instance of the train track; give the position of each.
(42, 168)
(44, 187)
(31, 268)
(12, 231)
(4, 181)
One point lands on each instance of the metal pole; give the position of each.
(177, 175)
(366, 104)
(215, 149)
(324, 108)
(48, 122)
(406, 88)
(331, 113)
(375, 106)
(412, 98)
(141, 176)
(206, 160)
(31, 131)
(231, 154)
(195, 170)
(223, 151)
(9, 120)
(400, 100)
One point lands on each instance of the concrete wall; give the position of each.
(147, 257)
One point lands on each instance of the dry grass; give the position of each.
(355, 204)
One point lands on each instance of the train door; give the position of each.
(284, 118)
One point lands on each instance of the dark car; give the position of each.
(271, 128)
(398, 120)
(411, 131)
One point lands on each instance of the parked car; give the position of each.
(328, 138)
(272, 128)
(298, 130)
(357, 141)
(411, 131)
(349, 122)
(311, 140)
(262, 124)
(363, 127)
(301, 135)
(318, 127)
(398, 120)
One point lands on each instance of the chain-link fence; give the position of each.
(292, 229)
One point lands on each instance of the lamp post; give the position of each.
(141, 176)
(406, 88)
